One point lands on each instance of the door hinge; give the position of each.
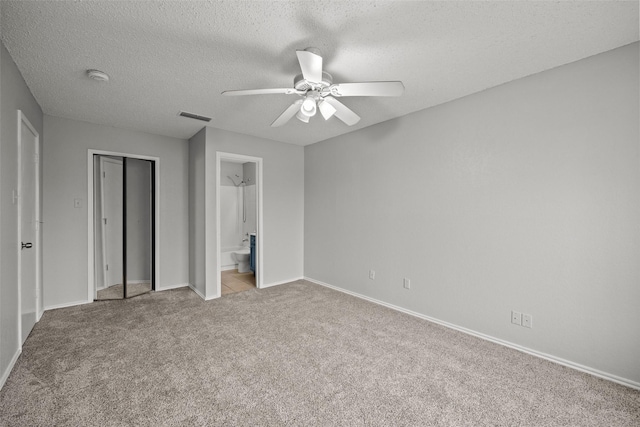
(36, 158)
(104, 174)
(107, 267)
(105, 221)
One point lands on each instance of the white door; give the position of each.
(112, 220)
(29, 226)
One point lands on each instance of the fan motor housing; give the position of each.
(301, 84)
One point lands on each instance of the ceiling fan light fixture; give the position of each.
(308, 107)
(327, 110)
(302, 117)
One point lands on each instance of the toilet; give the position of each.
(242, 258)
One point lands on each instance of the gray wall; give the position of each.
(283, 188)
(15, 95)
(65, 227)
(523, 197)
(197, 185)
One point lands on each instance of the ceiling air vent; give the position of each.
(194, 116)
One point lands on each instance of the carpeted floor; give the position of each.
(295, 354)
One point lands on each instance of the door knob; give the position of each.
(26, 245)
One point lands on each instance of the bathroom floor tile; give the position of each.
(233, 282)
(238, 285)
(247, 278)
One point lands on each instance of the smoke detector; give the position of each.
(98, 75)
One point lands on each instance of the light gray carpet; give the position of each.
(295, 354)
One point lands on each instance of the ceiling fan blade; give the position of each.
(368, 89)
(311, 65)
(287, 114)
(286, 91)
(342, 111)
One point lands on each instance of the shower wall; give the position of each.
(230, 169)
(230, 217)
(249, 173)
(230, 206)
(249, 226)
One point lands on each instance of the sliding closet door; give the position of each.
(138, 226)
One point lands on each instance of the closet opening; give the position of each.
(124, 226)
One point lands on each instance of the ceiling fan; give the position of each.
(318, 92)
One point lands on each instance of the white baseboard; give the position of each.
(228, 267)
(169, 287)
(194, 289)
(71, 304)
(268, 285)
(66, 304)
(7, 371)
(129, 282)
(549, 357)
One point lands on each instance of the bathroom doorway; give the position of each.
(239, 223)
(123, 226)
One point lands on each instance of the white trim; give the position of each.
(549, 357)
(90, 204)
(268, 285)
(194, 289)
(229, 267)
(66, 304)
(259, 234)
(37, 220)
(169, 287)
(82, 302)
(10, 366)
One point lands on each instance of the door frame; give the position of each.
(221, 156)
(38, 220)
(91, 286)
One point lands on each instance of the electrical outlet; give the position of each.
(372, 274)
(527, 321)
(406, 283)
(516, 318)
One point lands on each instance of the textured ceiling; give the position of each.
(164, 57)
